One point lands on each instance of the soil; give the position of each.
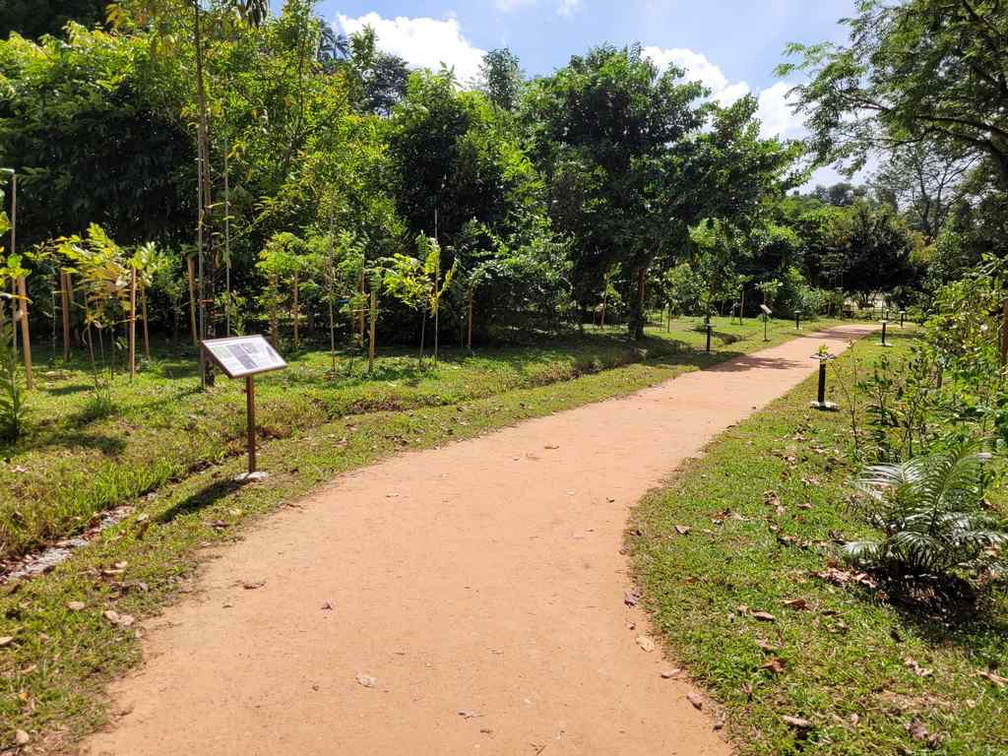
(468, 598)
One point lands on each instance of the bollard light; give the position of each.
(820, 403)
(884, 342)
(797, 320)
(709, 329)
(902, 317)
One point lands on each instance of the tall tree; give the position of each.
(912, 72)
(502, 78)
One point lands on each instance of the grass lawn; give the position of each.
(171, 452)
(765, 510)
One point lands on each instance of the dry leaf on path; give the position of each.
(695, 699)
(764, 616)
(630, 598)
(367, 680)
(251, 585)
(468, 714)
(6, 640)
(998, 680)
(682, 529)
(668, 674)
(75, 606)
(775, 665)
(799, 604)
(917, 729)
(21, 737)
(645, 643)
(918, 670)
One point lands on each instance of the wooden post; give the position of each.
(371, 337)
(250, 407)
(192, 300)
(1004, 331)
(360, 309)
(296, 314)
(146, 333)
(469, 329)
(131, 337)
(25, 335)
(65, 301)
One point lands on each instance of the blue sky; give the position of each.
(730, 45)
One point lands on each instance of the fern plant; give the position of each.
(932, 514)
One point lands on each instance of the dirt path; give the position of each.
(477, 587)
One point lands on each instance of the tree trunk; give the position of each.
(131, 336)
(25, 335)
(274, 315)
(637, 307)
(190, 267)
(423, 327)
(360, 308)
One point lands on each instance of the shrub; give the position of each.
(12, 407)
(933, 517)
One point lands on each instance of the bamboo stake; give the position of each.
(65, 299)
(470, 317)
(25, 335)
(360, 307)
(131, 337)
(190, 266)
(371, 338)
(146, 334)
(296, 313)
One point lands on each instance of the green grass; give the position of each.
(53, 673)
(765, 508)
(82, 456)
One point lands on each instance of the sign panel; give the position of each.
(241, 356)
(766, 310)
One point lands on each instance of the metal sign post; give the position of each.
(767, 312)
(245, 357)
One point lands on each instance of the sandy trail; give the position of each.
(480, 584)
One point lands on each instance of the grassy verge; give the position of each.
(80, 458)
(62, 653)
(765, 509)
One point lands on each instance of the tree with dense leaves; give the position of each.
(35, 18)
(502, 78)
(913, 72)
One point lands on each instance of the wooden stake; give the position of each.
(25, 334)
(296, 314)
(1004, 331)
(469, 329)
(146, 333)
(65, 301)
(371, 337)
(190, 265)
(131, 336)
(360, 309)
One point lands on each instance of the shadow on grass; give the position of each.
(203, 498)
(73, 388)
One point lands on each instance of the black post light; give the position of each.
(884, 342)
(709, 329)
(820, 403)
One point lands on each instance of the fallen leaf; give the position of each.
(764, 616)
(6, 640)
(327, 606)
(797, 722)
(854, 719)
(668, 674)
(766, 645)
(21, 737)
(112, 616)
(719, 720)
(75, 606)
(918, 670)
(799, 604)
(917, 729)
(551, 446)
(251, 585)
(367, 680)
(804, 505)
(631, 598)
(468, 714)
(775, 665)
(695, 699)
(682, 529)
(747, 689)
(646, 644)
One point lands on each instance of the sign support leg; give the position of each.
(250, 404)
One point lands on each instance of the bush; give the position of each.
(932, 515)
(12, 407)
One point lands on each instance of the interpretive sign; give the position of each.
(245, 357)
(240, 356)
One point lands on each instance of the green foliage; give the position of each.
(931, 512)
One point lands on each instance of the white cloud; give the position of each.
(699, 68)
(422, 42)
(509, 5)
(775, 113)
(566, 8)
